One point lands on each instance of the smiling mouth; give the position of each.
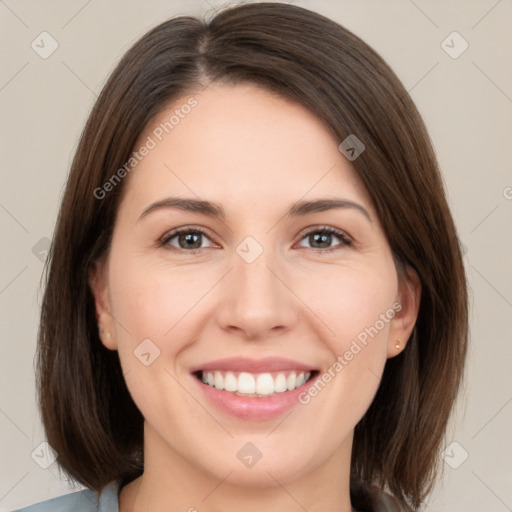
(255, 385)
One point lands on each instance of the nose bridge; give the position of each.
(257, 301)
(255, 279)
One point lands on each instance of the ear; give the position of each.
(98, 283)
(402, 324)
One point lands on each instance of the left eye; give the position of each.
(324, 236)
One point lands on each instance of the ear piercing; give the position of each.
(398, 343)
(107, 334)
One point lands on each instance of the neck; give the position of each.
(171, 483)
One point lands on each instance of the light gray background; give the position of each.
(465, 101)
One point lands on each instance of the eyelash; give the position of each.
(345, 240)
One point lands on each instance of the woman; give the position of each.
(255, 292)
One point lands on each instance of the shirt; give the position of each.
(86, 500)
(108, 501)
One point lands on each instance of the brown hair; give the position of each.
(88, 414)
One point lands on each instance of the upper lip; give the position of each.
(244, 364)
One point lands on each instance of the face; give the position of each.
(255, 300)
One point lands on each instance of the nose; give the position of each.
(256, 302)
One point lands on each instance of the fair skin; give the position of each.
(255, 155)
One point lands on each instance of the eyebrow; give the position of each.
(214, 210)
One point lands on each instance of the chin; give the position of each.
(252, 462)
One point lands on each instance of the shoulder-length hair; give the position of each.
(89, 416)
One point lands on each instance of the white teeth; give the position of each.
(261, 384)
(280, 383)
(246, 383)
(230, 382)
(219, 380)
(264, 384)
(290, 381)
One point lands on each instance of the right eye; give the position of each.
(188, 239)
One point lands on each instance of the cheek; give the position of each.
(152, 301)
(357, 307)
(150, 307)
(352, 301)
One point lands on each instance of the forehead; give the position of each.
(240, 145)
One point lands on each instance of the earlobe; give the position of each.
(403, 323)
(99, 289)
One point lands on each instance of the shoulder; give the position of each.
(80, 501)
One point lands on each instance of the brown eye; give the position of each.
(187, 240)
(322, 238)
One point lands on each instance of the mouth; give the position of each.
(253, 389)
(255, 385)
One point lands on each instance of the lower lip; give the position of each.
(253, 408)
